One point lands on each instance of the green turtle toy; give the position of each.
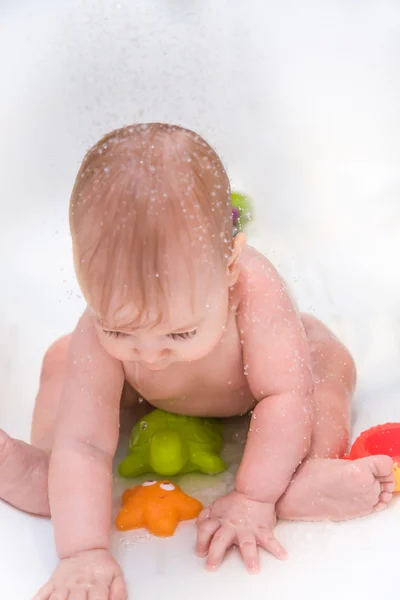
(170, 444)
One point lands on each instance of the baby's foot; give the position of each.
(338, 489)
(23, 475)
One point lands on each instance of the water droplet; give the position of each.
(143, 425)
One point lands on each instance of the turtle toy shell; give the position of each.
(170, 444)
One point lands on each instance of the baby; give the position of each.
(185, 315)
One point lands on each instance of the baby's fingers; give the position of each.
(73, 595)
(204, 515)
(64, 595)
(267, 540)
(248, 548)
(45, 592)
(205, 532)
(223, 539)
(99, 592)
(118, 589)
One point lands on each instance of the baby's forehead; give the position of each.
(180, 310)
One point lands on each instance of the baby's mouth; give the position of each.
(154, 368)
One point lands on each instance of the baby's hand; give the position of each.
(237, 520)
(93, 574)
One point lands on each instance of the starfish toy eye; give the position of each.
(168, 487)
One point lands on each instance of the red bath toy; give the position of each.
(381, 439)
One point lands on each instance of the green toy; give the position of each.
(170, 444)
(241, 211)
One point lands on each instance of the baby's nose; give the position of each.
(149, 354)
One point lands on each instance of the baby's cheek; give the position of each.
(104, 342)
(118, 349)
(199, 349)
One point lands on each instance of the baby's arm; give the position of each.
(277, 364)
(80, 476)
(276, 355)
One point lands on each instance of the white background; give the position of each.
(301, 99)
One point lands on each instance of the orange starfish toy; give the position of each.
(158, 506)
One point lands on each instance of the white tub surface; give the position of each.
(301, 99)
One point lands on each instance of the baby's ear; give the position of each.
(233, 268)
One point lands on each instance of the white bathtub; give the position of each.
(301, 100)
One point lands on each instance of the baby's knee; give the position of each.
(347, 367)
(5, 446)
(55, 357)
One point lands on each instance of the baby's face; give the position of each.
(194, 326)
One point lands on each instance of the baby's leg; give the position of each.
(24, 468)
(323, 488)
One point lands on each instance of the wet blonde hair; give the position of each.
(146, 198)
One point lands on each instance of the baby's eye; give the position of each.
(114, 334)
(187, 335)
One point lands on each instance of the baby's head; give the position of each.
(151, 223)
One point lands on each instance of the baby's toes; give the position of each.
(386, 494)
(383, 468)
(385, 497)
(388, 487)
(380, 506)
(387, 478)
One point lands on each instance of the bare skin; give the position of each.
(299, 379)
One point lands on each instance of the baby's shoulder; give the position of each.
(257, 272)
(260, 286)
